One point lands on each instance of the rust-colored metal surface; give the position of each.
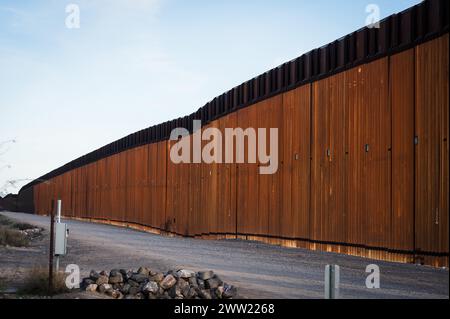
(403, 133)
(328, 211)
(432, 104)
(363, 155)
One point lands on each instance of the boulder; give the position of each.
(204, 275)
(133, 290)
(125, 289)
(91, 288)
(158, 277)
(116, 279)
(171, 272)
(127, 275)
(229, 291)
(93, 275)
(182, 284)
(118, 286)
(139, 278)
(204, 294)
(161, 292)
(133, 283)
(188, 292)
(143, 271)
(213, 283)
(185, 274)
(103, 288)
(201, 284)
(140, 295)
(193, 282)
(114, 294)
(165, 295)
(114, 272)
(175, 284)
(219, 292)
(86, 282)
(124, 273)
(102, 280)
(175, 292)
(152, 296)
(150, 288)
(168, 282)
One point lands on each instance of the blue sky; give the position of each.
(134, 63)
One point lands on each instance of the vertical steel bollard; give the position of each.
(332, 278)
(52, 248)
(58, 220)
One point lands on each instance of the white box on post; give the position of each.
(60, 239)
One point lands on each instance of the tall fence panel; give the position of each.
(362, 149)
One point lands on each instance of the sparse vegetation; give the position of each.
(2, 285)
(36, 283)
(12, 237)
(16, 234)
(5, 221)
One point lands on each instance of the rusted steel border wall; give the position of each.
(363, 128)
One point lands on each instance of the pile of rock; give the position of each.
(32, 233)
(147, 284)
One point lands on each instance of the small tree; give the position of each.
(4, 148)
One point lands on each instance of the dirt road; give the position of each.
(258, 270)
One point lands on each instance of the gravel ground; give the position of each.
(258, 270)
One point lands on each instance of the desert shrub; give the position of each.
(2, 285)
(12, 237)
(5, 221)
(23, 226)
(36, 283)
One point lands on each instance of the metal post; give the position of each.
(58, 220)
(52, 248)
(59, 204)
(332, 278)
(57, 264)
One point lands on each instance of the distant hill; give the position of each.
(9, 202)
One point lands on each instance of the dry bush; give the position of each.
(23, 226)
(2, 285)
(36, 283)
(5, 221)
(12, 237)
